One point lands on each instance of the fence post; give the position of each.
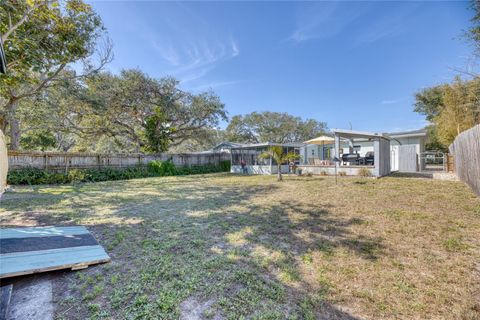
(66, 164)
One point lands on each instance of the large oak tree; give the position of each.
(42, 38)
(277, 127)
(129, 112)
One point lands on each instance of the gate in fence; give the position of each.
(433, 161)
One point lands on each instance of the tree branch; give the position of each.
(43, 83)
(24, 18)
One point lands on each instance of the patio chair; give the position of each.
(326, 162)
(369, 158)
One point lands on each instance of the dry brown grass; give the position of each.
(251, 247)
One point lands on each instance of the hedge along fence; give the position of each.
(65, 161)
(466, 152)
(154, 168)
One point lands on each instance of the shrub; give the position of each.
(168, 168)
(26, 176)
(76, 175)
(155, 168)
(323, 173)
(199, 169)
(55, 178)
(342, 173)
(364, 172)
(225, 165)
(165, 168)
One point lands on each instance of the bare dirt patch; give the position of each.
(194, 309)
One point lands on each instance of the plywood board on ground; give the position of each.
(40, 249)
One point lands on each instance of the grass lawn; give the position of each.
(231, 247)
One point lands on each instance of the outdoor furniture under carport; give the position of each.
(351, 162)
(381, 149)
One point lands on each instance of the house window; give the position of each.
(327, 152)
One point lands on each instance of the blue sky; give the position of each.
(339, 62)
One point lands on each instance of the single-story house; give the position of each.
(415, 140)
(249, 153)
(354, 150)
(255, 165)
(226, 146)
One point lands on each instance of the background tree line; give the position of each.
(454, 107)
(451, 108)
(46, 104)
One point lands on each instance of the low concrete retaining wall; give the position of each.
(330, 170)
(317, 170)
(259, 169)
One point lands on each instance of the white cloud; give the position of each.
(213, 85)
(391, 24)
(235, 49)
(186, 44)
(324, 20)
(389, 101)
(393, 101)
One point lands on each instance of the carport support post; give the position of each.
(337, 148)
(271, 165)
(376, 157)
(350, 145)
(337, 155)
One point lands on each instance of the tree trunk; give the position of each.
(279, 173)
(3, 163)
(14, 134)
(13, 123)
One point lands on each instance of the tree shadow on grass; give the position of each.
(317, 225)
(177, 226)
(414, 175)
(271, 227)
(123, 200)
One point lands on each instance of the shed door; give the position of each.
(407, 158)
(394, 158)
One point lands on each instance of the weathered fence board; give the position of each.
(449, 163)
(60, 161)
(466, 151)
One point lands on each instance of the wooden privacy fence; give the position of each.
(63, 161)
(466, 152)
